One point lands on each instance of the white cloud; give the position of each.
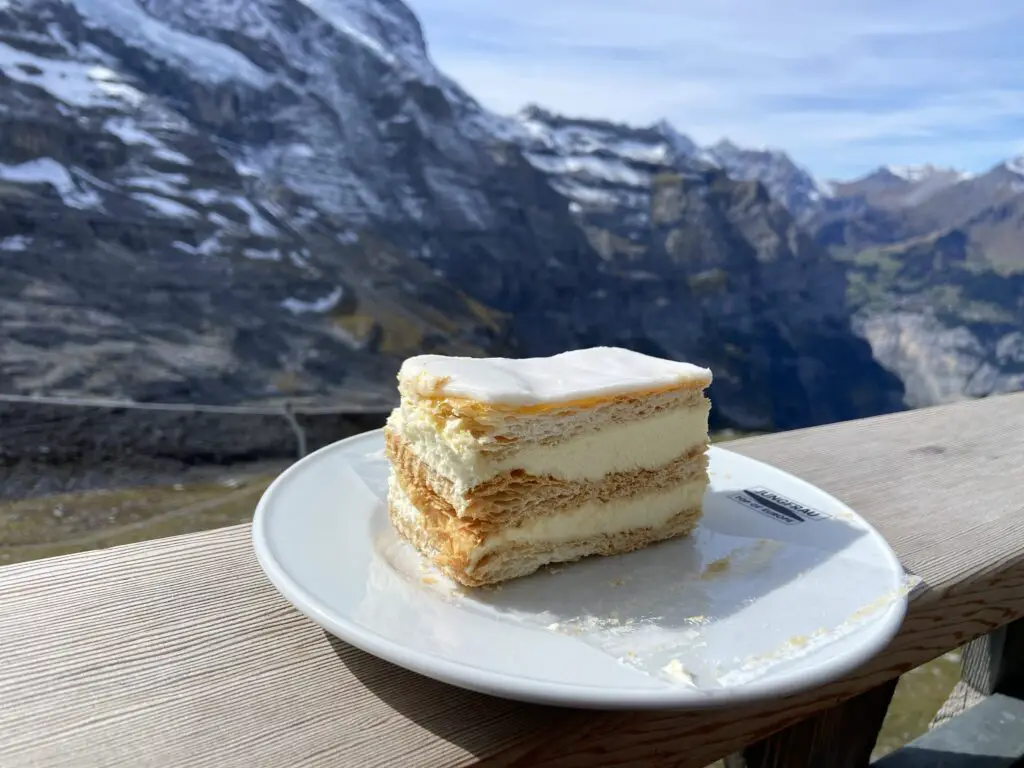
(843, 86)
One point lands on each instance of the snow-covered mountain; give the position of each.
(256, 198)
(551, 141)
(894, 203)
(198, 186)
(713, 262)
(936, 274)
(607, 170)
(787, 182)
(916, 174)
(893, 186)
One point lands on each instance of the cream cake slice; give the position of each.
(500, 466)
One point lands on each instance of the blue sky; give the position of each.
(842, 85)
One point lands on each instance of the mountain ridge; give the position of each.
(287, 201)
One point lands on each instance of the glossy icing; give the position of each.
(566, 377)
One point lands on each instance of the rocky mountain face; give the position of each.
(938, 316)
(716, 271)
(893, 187)
(936, 275)
(935, 266)
(787, 182)
(892, 205)
(239, 201)
(178, 222)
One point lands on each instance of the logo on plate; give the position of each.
(777, 506)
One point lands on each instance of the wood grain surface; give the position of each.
(178, 652)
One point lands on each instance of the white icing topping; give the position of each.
(575, 375)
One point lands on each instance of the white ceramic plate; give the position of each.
(781, 588)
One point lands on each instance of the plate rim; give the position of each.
(538, 691)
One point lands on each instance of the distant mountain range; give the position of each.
(934, 257)
(211, 204)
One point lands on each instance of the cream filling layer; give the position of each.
(643, 444)
(651, 510)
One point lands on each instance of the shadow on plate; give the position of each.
(723, 566)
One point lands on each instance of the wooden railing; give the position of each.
(178, 652)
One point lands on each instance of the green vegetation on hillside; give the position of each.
(958, 289)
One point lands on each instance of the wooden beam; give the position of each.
(178, 652)
(839, 737)
(994, 663)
